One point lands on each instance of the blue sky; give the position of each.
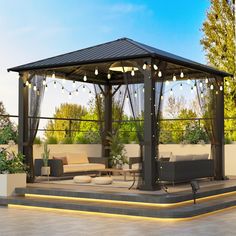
(32, 30)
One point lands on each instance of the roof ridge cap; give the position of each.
(139, 45)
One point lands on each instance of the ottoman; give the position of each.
(103, 180)
(82, 179)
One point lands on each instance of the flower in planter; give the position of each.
(11, 163)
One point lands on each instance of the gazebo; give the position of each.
(109, 66)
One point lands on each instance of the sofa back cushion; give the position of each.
(188, 157)
(201, 156)
(77, 158)
(64, 159)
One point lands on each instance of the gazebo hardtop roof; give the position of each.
(120, 49)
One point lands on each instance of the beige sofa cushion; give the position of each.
(82, 167)
(174, 158)
(59, 154)
(77, 158)
(201, 156)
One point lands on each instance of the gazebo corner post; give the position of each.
(23, 126)
(150, 174)
(107, 120)
(218, 151)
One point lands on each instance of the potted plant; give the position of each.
(117, 152)
(45, 170)
(12, 172)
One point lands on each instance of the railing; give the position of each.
(69, 130)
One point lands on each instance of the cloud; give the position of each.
(124, 8)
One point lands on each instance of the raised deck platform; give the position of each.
(177, 204)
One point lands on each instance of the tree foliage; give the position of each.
(8, 130)
(219, 44)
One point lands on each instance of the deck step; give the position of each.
(162, 198)
(181, 211)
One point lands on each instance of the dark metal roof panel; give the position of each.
(121, 49)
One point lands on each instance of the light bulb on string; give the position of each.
(191, 89)
(217, 92)
(90, 93)
(155, 67)
(171, 92)
(101, 95)
(162, 97)
(132, 72)
(221, 88)
(212, 87)
(200, 85)
(135, 94)
(62, 90)
(174, 77)
(70, 95)
(195, 87)
(44, 81)
(73, 85)
(96, 71)
(109, 75)
(143, 89)
(202, 95)
(38, 92)
(55, 84)
(85, 78)
(188, 81)
(181, 74)
(227, 82)
(46, 88)
(159, 73)
(83, 88)
(181, 86)
(35, 88)
(206, 80)
(63, 80)
(167, 82)
(27, 83)
(127, 98)
(76, 92)
(53, 75)
(145, 65)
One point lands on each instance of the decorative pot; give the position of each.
(8, 183)
(45, 170)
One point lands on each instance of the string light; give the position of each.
(70, 95)
(29, 85)
(159, 73)
(63, 81)
(155, 67)
(83, 88)
(96, 71)
(53, 75)
(44, 81)
(191, 89)
(109, 75)
(73, 84)
(188, 81)
(132, 72)
(181, 74)
(162, 97)
(38, 93)
(85, 78)
(77, 92)
(35, 88)
(90, 93)
(145, 65)
(195, 87)
(167, 82)
(200, 85)
(181, 87)
(127, 98)
(101, 95)
(202, 95)
(55, 84)
(206, 80)
(212, 87)
(62, 90)
(227, 82)
(221, 88)
(217, 92)
(174, 77)
(46, 88)
(135, 94)
(143, 89)
(171, 92)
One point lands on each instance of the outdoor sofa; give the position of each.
(64, 164)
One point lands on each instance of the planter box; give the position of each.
(45, 170)
(8, 183)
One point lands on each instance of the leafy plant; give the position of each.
(195, 134)
(45, 155)
(117, 151)
(11, 163)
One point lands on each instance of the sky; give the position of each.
(31, 30)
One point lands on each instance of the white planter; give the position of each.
(8, 183)
(45, 170)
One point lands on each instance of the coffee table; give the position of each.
(124, 172)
